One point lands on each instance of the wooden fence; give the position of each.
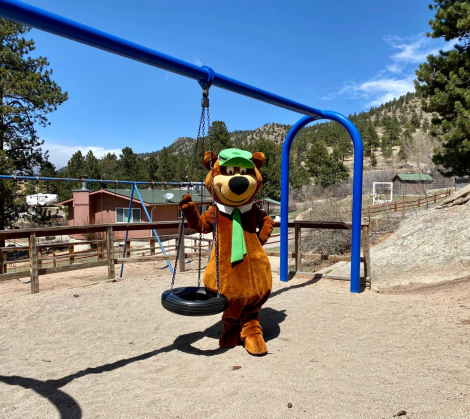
(105, 249)
(403, 205)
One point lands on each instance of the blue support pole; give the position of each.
(357, 194)
(154, 231)
(127, 231)
(285, 193)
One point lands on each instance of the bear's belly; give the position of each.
(248, 279)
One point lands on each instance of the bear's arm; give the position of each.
(200, 223)
(265, 224)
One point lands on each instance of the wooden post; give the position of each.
(71, 254)
(128, 246)
(152, 246)
(434, 198)
(39, 258)
(100, 250)
(182, 261)
(33, 264)
(366, 251)
(1, 261)
(396, 207)
(110, 252)
(403, 200)
(298, 248)
(4, 259)
(419, 202)
(54, 262)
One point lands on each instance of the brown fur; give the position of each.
(246, 284)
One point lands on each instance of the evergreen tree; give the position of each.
(28, 94)
(370, 139)
(92, 170)
(219, 137)
(271, 171)
(151, 168)
(109, 167)
(443, 82)
(324, 168)
(76, 165)
(373, 160)
(131, 166)
(166, 167)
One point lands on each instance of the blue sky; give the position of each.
(344, 56)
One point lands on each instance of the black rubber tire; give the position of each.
(193, 301)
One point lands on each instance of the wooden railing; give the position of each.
(328, 225)
(106, 253)
(405, 205)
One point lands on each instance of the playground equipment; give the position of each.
(382, 192)
(207, 77)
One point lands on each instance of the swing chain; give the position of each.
(215, 240)
(180, 236)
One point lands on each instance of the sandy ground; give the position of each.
(112, 351)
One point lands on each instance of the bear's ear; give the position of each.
(258, 159)
(207, 159)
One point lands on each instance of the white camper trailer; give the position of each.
(43, 199)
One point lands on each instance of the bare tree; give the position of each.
(420, 149)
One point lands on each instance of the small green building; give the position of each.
(411, 183)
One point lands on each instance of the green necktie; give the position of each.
(238, 241)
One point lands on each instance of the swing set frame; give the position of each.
(207, 77)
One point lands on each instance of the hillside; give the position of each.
(393, 132)
(431, 247)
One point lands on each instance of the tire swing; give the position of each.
(197, 301)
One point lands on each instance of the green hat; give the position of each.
(236, 158)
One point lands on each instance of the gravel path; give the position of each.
(113, 352)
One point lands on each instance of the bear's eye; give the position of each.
(230, 170)
(243, 171)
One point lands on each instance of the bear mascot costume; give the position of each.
(242, 230)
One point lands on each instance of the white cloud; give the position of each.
(59, 154)
(396, 78)
(197, 61)
(413, 50)
(379, 90)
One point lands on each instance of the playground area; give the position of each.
(111, 350)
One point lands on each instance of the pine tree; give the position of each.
(373, 160)
(131, 166)
(443, 82)
(324, 168)
(92, 169)
(27, 94)
(76, 165)
(166, 166)
(151, 168)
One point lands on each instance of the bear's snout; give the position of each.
(238, 184)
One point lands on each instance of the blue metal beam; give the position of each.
(124, 182)
(58, 25)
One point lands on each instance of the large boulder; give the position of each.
(431, 247)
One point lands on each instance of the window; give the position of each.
(203, 208)
(123, 213)
(180, 213)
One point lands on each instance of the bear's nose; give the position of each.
(238, 184)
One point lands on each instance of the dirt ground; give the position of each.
(111, 351)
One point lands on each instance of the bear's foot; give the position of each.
(229, 339)
(255, 345)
